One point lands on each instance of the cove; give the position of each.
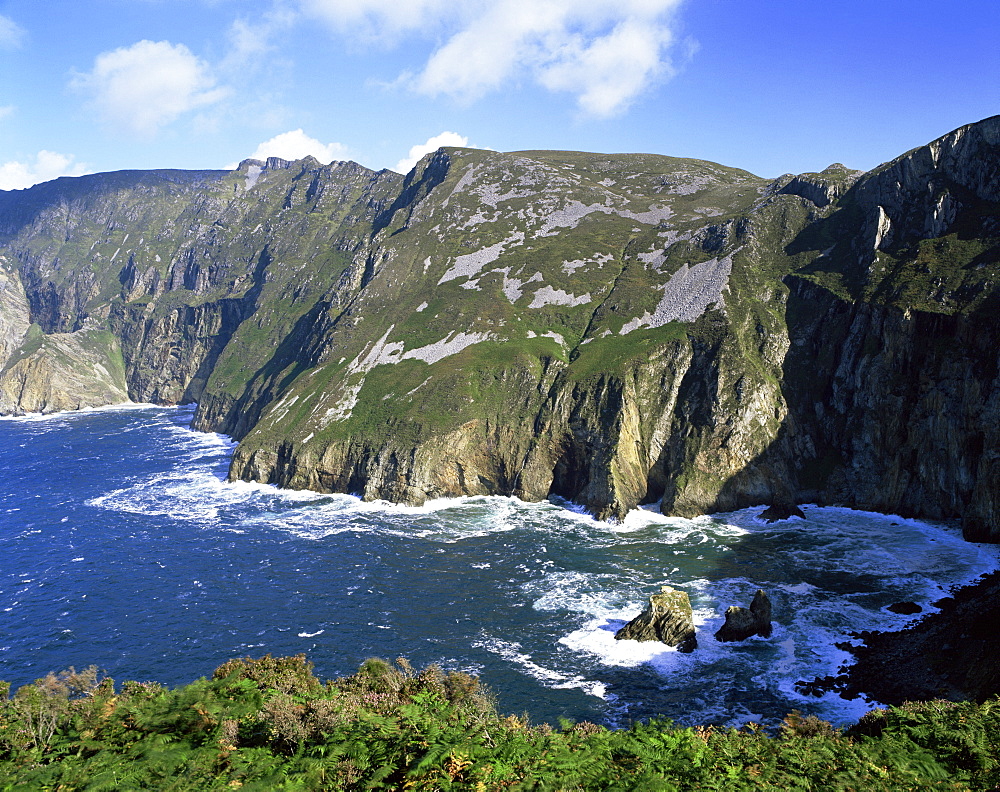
(124, 546)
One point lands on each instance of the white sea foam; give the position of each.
(800, 588)
(915, 558)
(197, 440)
(513, 653)
(894, 547)
(120, 407)
(184, 496)
(593, 595)
(446, 520)
(597, 638)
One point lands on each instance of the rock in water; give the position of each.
(760, 607)
(741, 623)
(668, 618)
(781, 511)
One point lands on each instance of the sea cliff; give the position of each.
(614, 329)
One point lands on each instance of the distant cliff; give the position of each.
(614, 329)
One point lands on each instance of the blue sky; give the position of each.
(771, 86)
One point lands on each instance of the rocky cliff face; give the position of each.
(614, 329)
(51, 372)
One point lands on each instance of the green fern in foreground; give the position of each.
(270, 724)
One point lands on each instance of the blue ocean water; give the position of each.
(121, 545)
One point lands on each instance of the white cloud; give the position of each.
(483, 55)
(45, 166)
(252, 41)
(382, 19)
(12, 35)
(606, 52)
(149, 85)
(296, 145)
(433, 144)
(608, 72)
(6, 110)
(248, 41)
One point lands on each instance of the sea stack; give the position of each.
(741, 623)
(668, 618)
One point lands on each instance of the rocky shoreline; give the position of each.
(951, 654)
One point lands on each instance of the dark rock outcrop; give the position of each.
(742, 623)
(950, 654)
(781, 511)
(668, 618)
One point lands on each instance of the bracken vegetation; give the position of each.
(270, 724)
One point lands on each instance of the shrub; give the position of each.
(796, 724)
(41, 705)
(291, 675)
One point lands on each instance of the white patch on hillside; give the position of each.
(341, 411)
(473, 263)
(549, 296)
(478, 219)
(452, 344)
(600, 259)
(690, 292)
(690, 187)
(253, 174)
(280, 410)
(511, 286)
(414, 390)
(670, 236)
(652, 216)
(569, 216)
(654, 259)
(382, 351)
(883, 231)
(467, 178)
(421, 307)
(490, 195)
